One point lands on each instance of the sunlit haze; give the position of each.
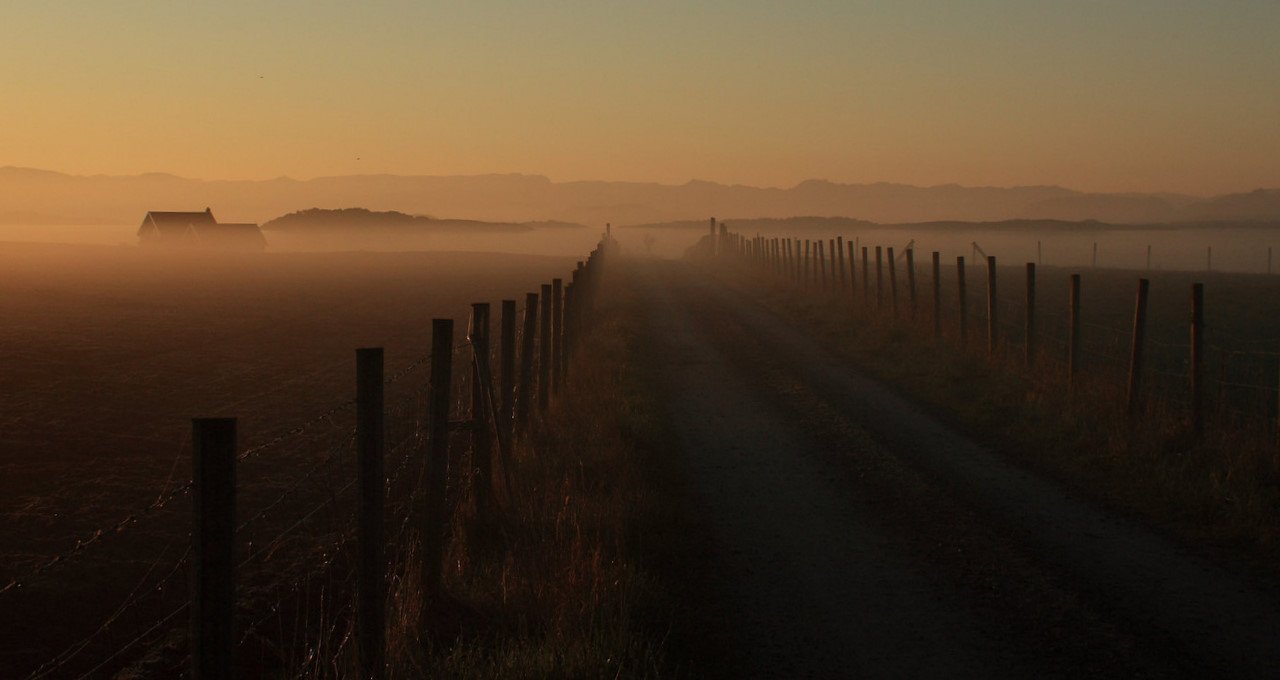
(1168, 95)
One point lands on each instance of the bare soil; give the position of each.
(106, 353)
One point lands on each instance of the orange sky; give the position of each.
(1114, 96)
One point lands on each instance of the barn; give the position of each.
(198, 230)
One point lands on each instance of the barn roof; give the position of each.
(176, 223)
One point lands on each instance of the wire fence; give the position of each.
(297, 521)
(1238, 373)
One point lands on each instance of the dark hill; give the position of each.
(364, 220)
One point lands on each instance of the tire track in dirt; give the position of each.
(856, 536)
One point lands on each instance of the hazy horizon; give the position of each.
(1135, 97)
(588, 180)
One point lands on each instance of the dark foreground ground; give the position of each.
(833, 529)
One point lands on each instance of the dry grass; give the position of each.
(556, 589)
(1219, 491)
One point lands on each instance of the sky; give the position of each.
(1128, 95)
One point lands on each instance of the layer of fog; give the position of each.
(1237, 249)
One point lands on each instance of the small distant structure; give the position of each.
(198, 230)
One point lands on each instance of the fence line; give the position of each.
(565, 317)
(1157, 369)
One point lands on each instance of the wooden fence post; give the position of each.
(1073, 332)
(1029, 339)
(853, 282)
(544, 350)
(840, 258)
(866, 275)
(371, 567)
(1095, 254)
(993, 309)
(507, 364)
(937, 295)
(557, 334)
(831, 255)
(1197, 356)
(530, 331)
(963, 300)
(481, 442)
(1135, 353)
(213, 495)
(879, 278)
(567, 345)
(911, 280)
(893, 282)
(436, 515)
(807, 282)
(822, 265)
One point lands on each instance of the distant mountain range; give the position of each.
(29, 196)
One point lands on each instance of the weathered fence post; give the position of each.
(1135, 353)
(937, 295)
(1029, 339)
(557, 334)
(831, 254)
(544, 350)
(807, 262)
(879, 278)
(840, 260)
(822, 265)
(963, 298)
(1073, 332)
(436, 516)
(866, 275)
(911, 280)
(853, 282)
(993, 308)
(371, 567)
(1095, 254)
(530, 331)
(213, 495)
(1197, 356)
(507, 364)
(569, 331)
(481, 441)
(893, 282)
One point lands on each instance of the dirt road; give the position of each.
(840, 531)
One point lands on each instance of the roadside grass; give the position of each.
(558, 588)
(1219, 491)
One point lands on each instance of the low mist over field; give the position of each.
(42, 197)
(703, 339)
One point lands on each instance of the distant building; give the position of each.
(198, 230)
